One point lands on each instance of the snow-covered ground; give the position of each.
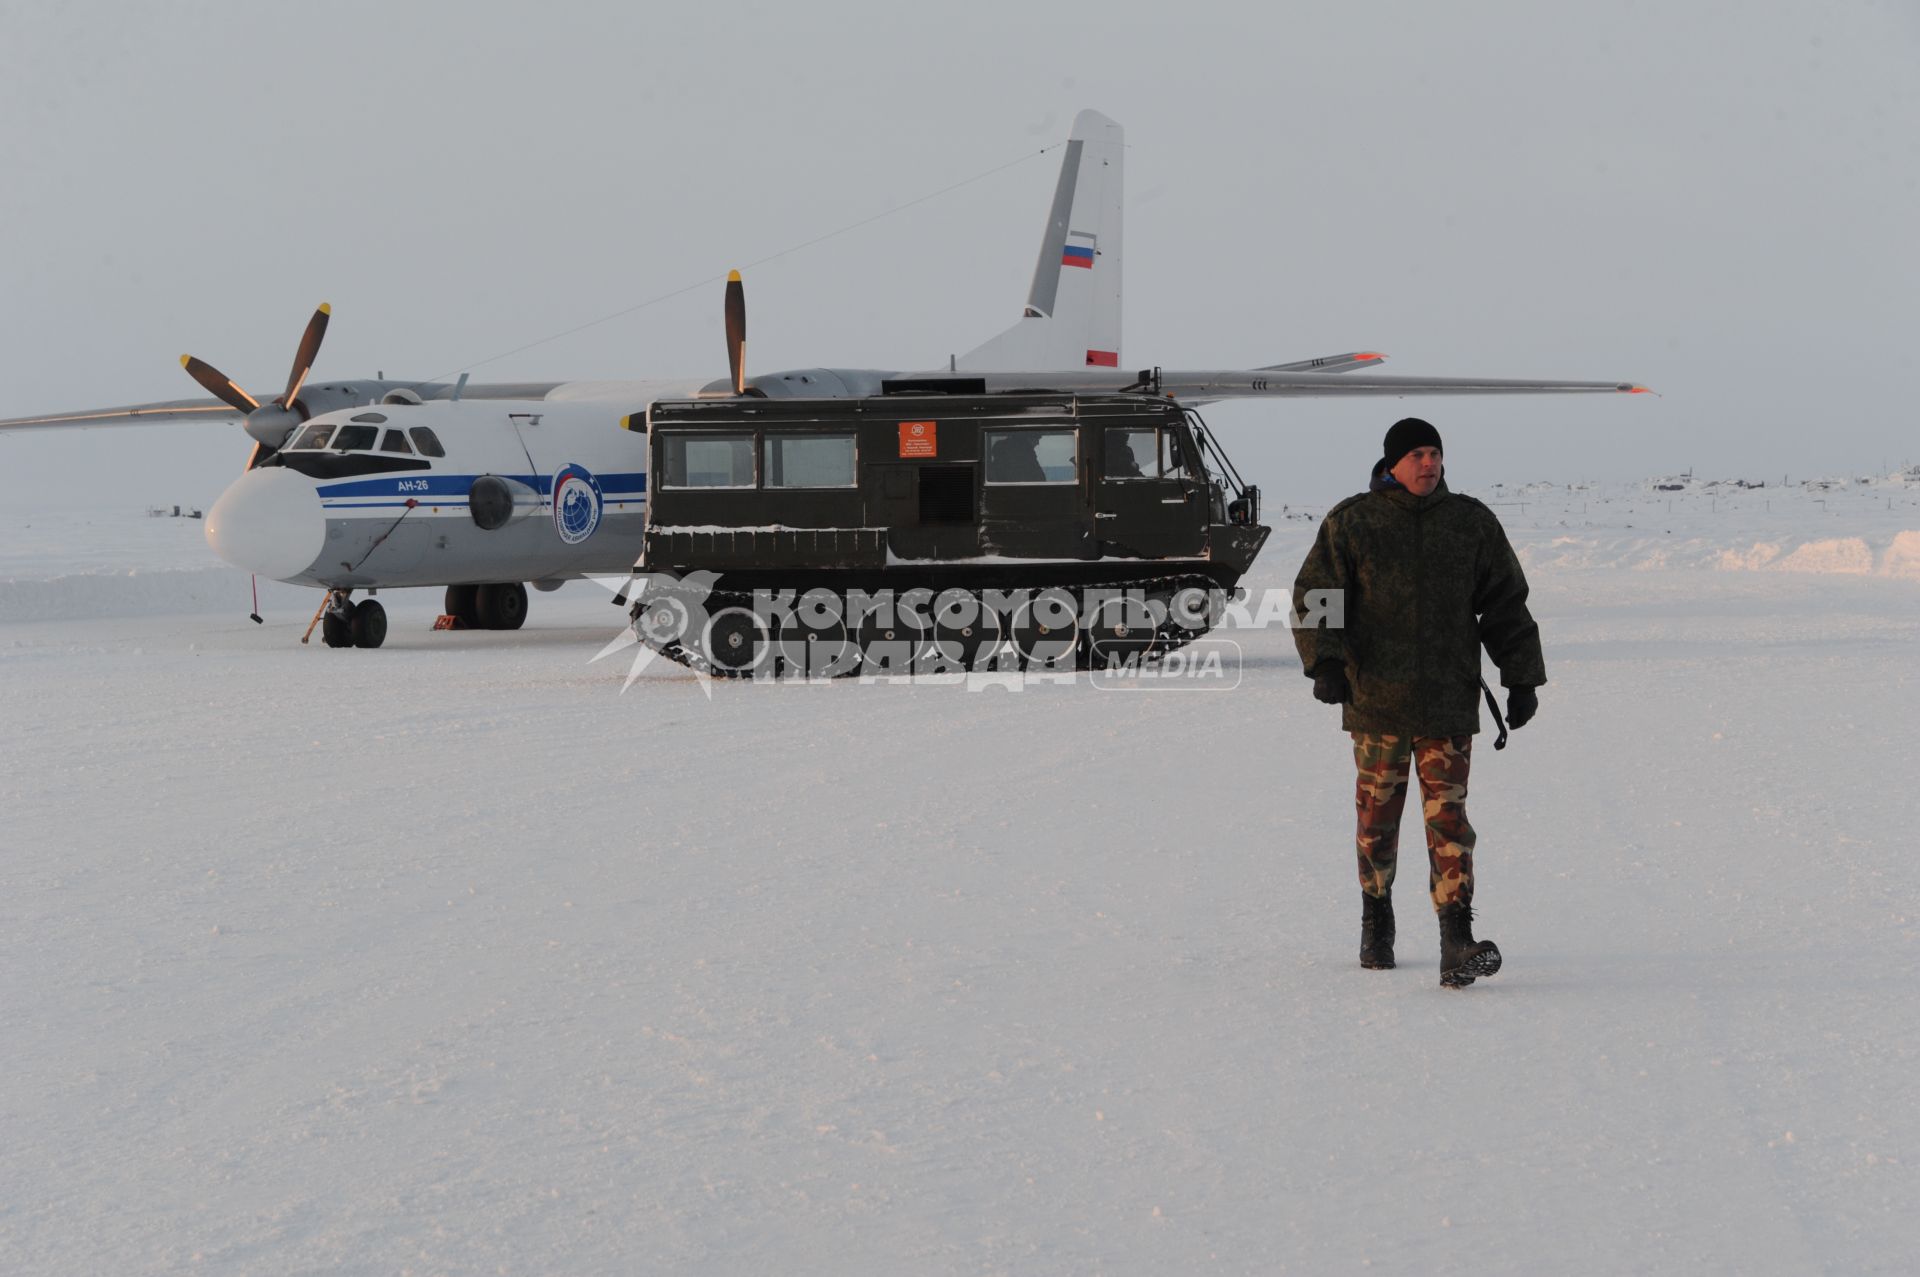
(452, 958)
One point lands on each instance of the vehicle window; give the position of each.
(1133, 454)
(395, 441)
(375, 417)
(312, 438)
(810, 461)
(428, 442)
(1031, 456)
(355, 438)
(708, 461)
(1176, 460)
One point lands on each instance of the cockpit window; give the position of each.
(313, 438)
(428, 443)
(374, 417)
(395, 442)
(355, 438)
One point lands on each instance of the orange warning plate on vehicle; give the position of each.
(917, 438)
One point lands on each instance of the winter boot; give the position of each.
(1376, 932)
(1462, 958)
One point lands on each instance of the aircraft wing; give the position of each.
(131, 415)
(316, 398)
(1203, 386)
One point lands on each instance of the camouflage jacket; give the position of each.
(1427, 581)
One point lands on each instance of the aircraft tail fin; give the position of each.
(1072, 317)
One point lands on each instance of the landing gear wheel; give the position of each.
(463, 605)
(368, 628)
(336, 629)
(736, 644)
(814, 641)
(1122, 629)
(502, 607)
(966, 630)
(1046, 628)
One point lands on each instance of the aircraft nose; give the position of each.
(268, 521)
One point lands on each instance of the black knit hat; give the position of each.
(1407, 434)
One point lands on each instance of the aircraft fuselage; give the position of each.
(535, 490)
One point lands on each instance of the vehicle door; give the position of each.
(1033, 503)
(1148, 502)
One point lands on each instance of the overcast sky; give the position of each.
(1715, 199)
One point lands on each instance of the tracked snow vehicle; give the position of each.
(916, 530)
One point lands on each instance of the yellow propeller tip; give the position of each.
(185, 360)
(733, 277)
(326, 308)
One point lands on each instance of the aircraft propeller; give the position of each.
(270, 423)
(737, 331)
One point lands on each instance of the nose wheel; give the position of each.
(344, 623)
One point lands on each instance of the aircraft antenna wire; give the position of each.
(771, 257)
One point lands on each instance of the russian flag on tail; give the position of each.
(1077, 255)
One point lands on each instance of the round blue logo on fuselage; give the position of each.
(577, 503)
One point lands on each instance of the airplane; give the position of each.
(365, 485)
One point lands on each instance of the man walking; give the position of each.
(1428, 579)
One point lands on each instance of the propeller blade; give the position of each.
(218, 384)
(309, 348)
(737, 331)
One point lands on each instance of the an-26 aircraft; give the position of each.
(364, 485)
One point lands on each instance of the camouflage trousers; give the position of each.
(1441, 764)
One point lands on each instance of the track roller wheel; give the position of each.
(735, 643)
(1185, 614)
(815, 640)
(893, 632)
(966, 631)
(1121, 629)
(1046, 628)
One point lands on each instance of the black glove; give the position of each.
(1330, 685)
(1522, 704)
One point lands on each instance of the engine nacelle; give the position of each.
(272, 425)
(494, 501)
